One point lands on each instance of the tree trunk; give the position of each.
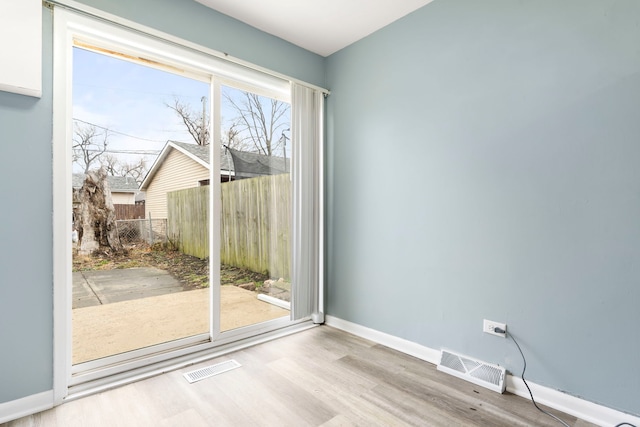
(97, 230)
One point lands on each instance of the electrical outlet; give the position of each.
(488, 326)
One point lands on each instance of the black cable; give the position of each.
(524, 368)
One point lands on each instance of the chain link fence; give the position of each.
(134, 231)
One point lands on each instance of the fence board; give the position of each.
(188, 219)
(255, 223)
(129, 211)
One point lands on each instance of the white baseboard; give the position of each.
(400, 344)
(18, 408)
(583, 409)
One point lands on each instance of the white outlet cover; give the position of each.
(488, 326)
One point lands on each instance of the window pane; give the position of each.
(140, 276)
(256, 209)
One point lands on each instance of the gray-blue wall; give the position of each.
(484, 162)
(26, 277)
(26, 263)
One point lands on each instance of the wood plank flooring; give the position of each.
(319, 377)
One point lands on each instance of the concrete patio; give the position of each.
(122, 310)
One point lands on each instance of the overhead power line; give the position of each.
(118, 132)
(140, 152)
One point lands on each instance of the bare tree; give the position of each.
(260, 122)
(115, 167)
(231, 138)
(89, 143)
(111, 164)
(136, 170)
(196, 122)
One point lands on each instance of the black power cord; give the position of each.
(524, 368)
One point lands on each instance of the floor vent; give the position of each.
(472, 370)
(209, 371)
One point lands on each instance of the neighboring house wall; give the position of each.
(177, 172)
(123, 198)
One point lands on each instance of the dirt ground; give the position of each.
(190, 271)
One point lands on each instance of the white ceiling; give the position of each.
(321, 26)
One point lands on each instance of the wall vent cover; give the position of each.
(472, 370)
(209, 371)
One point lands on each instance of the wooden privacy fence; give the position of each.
(188, 220)
(255, 223)
(129, 211)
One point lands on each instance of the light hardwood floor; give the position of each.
(319, 377)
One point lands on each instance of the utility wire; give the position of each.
(119, 133)
(139, 152)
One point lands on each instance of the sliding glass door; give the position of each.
(187, 201)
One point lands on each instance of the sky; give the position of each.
(127, 98)
(129, 101)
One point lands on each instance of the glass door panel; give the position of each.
(140, 206)
(256, 209)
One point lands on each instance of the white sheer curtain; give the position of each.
(307, 126)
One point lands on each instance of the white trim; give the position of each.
(19, 408)
(126, 366)
(318, 316)
(162, 157)
(408, 347)
(215, 210)
(580, 408)
(231, 335)
(189, 154)
(103, 384)
(62, 201)
(175, 55)
(122, 22)
(583, 409)
(275, 301)
(94, 367)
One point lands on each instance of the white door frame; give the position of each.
(129, 37)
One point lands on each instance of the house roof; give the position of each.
(117, 184)
(247, 165)
(202, 153)
(264, 165)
